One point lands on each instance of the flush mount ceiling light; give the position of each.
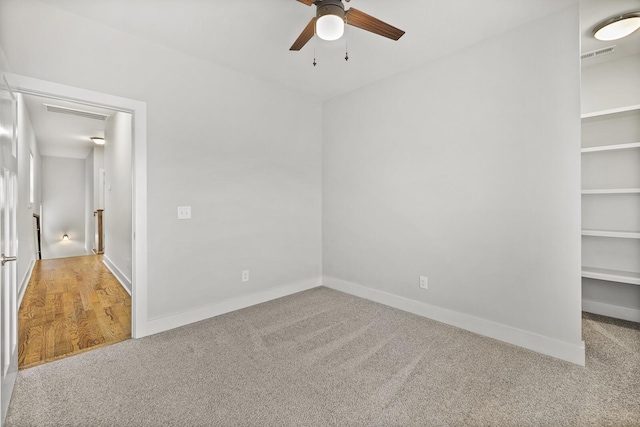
(330, 20)
(65, 237)
(617, 27)
(97, 140)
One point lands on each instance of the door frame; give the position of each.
(138, 110)
(9, 243)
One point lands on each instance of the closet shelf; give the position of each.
(612, 191)
(610, 112)
(611, 275)
(611, 147)
(618, 234)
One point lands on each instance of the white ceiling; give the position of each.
(254, 36)
(62, 135)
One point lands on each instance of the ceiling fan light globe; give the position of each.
(618, 28)
(330, 27)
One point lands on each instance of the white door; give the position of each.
(8, 246)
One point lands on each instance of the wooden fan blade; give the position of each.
(307, 2)
(305, 35)
(374, 25)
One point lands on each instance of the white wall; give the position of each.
(27, 245)
(466, 170)
(609, 85)
(4, 65)
(117, 198)
(89, 219)
(245, 154)
(94, 166)
(98, 168)
(63, 207)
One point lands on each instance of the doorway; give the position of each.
(610, 160)
(138, 232)
(78, 296)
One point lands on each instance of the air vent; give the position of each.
(73, 112)
(598, 52)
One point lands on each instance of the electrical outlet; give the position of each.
(184, 212)
(245, 275)
(424, 282)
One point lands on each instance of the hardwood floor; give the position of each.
(71, 305)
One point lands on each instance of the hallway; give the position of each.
(71, 305)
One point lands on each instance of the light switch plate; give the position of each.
(184, 212)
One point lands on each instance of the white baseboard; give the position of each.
(611, 310)
(25, 281)
(124, 280)
(574, 353)
(166, 323)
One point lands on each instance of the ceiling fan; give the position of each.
(331, 17)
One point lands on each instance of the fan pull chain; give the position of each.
(314, 48)
(346, 39)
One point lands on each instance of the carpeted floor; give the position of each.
(322, 357)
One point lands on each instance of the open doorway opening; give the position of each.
(610, 93)
(78, 297)
(27, 85)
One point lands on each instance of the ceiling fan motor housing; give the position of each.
(330, 7)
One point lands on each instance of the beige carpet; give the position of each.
(320, 358)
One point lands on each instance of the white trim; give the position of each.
(122, 278)
(10, 381)
(138, 110)
(172, 321)
(610, 147)
(611, 275)
(613, 191)
(611, 111)
(25, 281)
(615, 234)
(611, 310)
(574, 353)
